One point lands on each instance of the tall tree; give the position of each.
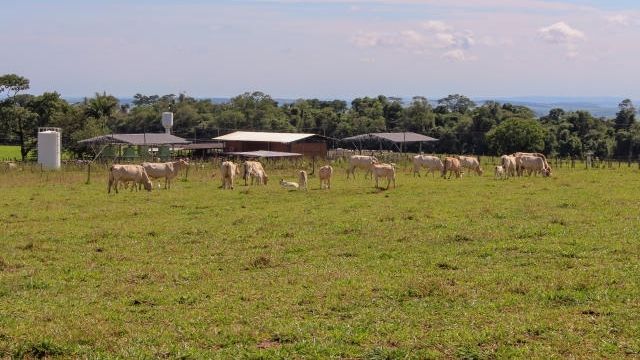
(457, 103)
(15, 119)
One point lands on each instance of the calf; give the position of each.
(384, 171)
(228, 172)
(289, 185)
(325, 174)
(302, 179)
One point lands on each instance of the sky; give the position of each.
(324, 49)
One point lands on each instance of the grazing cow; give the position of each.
(535, 165)
(255, 171)
(289, 185)
(508, 164)
(362, 162)
(228, 172)
(124, 173)
(302, 179)
(452, 165)
(499, 172)
(471, 163)
(384, 171)
(432, 163)
(520, 154)
(324, 174)
(166, 170)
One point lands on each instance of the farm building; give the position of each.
(395, 141)
(246, 141)
(134, 146)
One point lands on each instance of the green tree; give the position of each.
(516, 134)
(457, 103)
(17, 121)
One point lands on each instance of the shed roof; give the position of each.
(264, 154)
(200, 146)
(277, 137)
(137, 139)
(396, 137)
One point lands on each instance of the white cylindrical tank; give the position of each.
(167, 121)
(49, 148)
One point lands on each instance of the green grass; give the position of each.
(473, 268)
(9, 152)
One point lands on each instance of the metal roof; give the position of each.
(137, 139)
(396, 137)
(200, 146)
(264, 154)
(276, 137)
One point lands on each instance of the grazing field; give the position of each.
(468, 268)
(9, 152)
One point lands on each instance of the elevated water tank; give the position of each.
(49, 147)
(167, 121)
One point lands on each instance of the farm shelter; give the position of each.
(201, 150)
(397, 140)
(306, 144)
(134, 146)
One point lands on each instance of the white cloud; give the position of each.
(458, 55)
(430, 37)
(561, 33)
(437, 26)
(619, 19)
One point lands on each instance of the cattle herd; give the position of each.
(516, 164)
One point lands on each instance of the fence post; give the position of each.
(88, 174)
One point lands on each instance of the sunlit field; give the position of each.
(472, 268)
(9, 152)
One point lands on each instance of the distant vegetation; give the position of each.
(461, 125)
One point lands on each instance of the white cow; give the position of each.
(166, 170)
(228, 172)
(453, 166)
(384, 171)
(432, 163)
(255, 171)
(535, 165)
(325, 174)
(471, 163)
(499, 172)
(360, 161)
(124, 173)
(519, 168)
(508, 163)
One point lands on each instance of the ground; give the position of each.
(460, 268)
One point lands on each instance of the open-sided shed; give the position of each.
(133, 145)
(399, 140)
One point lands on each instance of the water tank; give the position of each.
(49, 147)
(167, 121)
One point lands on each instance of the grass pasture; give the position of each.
(475, 268)
(9, 152)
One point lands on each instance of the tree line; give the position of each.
(461, 125)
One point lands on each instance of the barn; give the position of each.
(309, 145)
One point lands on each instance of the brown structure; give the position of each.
(306, 144)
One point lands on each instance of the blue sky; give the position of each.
(326, 49)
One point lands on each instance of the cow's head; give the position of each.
(148, 185)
